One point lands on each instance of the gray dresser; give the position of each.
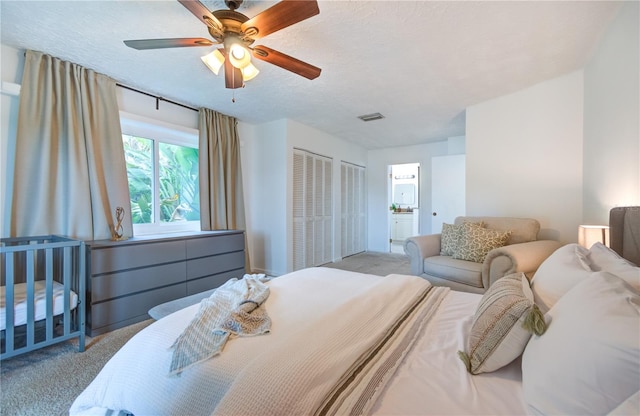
(127, 278)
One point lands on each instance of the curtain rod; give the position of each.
(158, 99)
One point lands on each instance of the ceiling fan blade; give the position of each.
(141, 44)
(279, 16)
(201, 12)
(287, 62)
(232, 75)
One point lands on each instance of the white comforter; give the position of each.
(307, 308)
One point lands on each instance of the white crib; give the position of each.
(44, 279)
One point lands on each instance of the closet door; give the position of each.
(353, 219)
(312, 209)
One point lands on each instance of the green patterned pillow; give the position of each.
(502, 325)
(475, 242)
(450, 237)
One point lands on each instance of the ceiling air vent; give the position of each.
(371, 117)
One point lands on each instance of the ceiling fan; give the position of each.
(237, 33)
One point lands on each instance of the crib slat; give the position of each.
(30, 299)
(82, 279)
(49, 291)
(66, 279)
(9, 310)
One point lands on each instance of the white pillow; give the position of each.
(588, 360)
(559, 273)
(605, 259)
(631, 406)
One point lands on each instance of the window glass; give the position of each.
(162, 169)
(139, 157)
(178, 173)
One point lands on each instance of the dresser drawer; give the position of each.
(110, 259)
(209, 282)
(218, 244)
(125, 308)
(112, 285)
(207, 266)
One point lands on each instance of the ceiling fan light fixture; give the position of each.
(213, 61)
(249, 72)
(239, 56)
(236, 32)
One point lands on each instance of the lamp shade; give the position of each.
(213, 61)
(249, 72)
(588, 235)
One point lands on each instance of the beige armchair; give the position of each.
(522, 253)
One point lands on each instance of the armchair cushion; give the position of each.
(461, 271)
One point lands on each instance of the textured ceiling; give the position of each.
(419, 63)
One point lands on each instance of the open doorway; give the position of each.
(404, 216)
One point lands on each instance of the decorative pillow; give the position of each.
(450, 236)
(559, 273)
(475, 242)
(449, 239)
(587, 361)
(605, 259)
(502, 325)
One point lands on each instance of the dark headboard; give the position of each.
(624, 232)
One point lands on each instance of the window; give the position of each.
(162, 168)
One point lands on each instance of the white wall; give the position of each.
(567, 150)
(264, 171)
(378, 183)
(611, 120)
(524, 156)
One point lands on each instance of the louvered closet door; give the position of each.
(312, 209)
(353, 219)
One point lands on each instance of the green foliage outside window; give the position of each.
(179, 198)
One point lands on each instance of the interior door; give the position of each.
(447, 190)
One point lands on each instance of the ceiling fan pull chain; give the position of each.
(233, 91)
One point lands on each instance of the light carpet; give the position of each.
(47, 381)
(371, 262)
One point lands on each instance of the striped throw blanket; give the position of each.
(235, 308)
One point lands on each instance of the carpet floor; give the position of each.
(371, 262)
(47, 381)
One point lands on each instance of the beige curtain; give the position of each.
(70, 173)
(221, 195)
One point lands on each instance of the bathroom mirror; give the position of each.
(404, 193)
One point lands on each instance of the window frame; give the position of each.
(159, 132)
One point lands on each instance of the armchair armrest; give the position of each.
(522, 257)
(420, 247)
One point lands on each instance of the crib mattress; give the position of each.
(20, 302)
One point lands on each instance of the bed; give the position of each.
(43, 278)
(343, 342)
